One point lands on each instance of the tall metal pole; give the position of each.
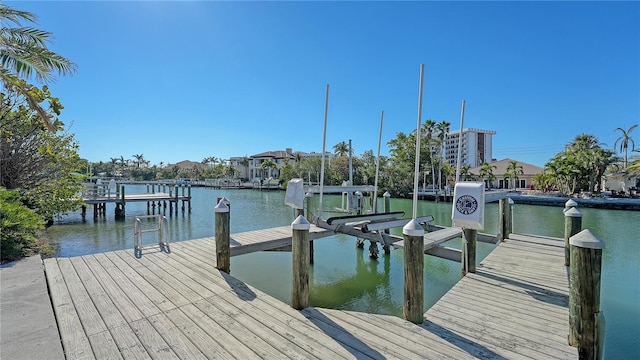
(324, 143)
(458, 163)
(350, 164)
(418, 135)
(375, 184)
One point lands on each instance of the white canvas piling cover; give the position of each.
(468, 205)
(294, 196)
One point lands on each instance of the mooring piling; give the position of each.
(586, 322)
(223, 239)
(300, 257)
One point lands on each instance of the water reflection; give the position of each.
(369, 284)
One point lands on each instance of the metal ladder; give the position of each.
(162, 229)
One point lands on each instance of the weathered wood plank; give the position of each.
(504, 306)
(205, 343)
(222, 336)
(110, 280)
(75, 342)
(175, 338)
(536, 326)
(104, 346)
(128, 343)
(152, 341)
(267, 342)
(498, 340)
(87, 312)
(369, 328)
(140, 272)
(182, 284)
(108, 310)
(289, 324)
(402, 333)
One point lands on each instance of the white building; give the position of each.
(477, 146)
(250, 167)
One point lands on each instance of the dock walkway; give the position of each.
(177, 305)
(515, 305)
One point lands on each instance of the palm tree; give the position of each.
(512, 172)
(210, 161)
(465, 172)
(486, 173)
(24, 55)
(114, 163)
(245, 163)
(443, 128)
(624, 142)
(428, 128)
(139, 160)
(341, 148)
(267, 165)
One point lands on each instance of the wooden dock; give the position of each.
(177, 305)
(99, 195)
(515, 305)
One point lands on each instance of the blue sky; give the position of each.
(187, 80)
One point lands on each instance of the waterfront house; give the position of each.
(251, 167)
(257, 170)
(523, 181)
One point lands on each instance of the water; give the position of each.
(344, 277)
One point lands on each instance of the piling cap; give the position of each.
(386, 194)
(510, 201)
(570, 203)
(300, 223)
(573, 212)
(308, 194)
(413, 228)
(224, 200)
(585, 239)
(221, 208)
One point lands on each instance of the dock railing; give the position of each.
(95, 191)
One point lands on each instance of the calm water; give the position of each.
(344, 277)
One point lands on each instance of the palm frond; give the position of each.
(9, 14)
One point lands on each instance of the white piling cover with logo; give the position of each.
(468, 205)
(294, 196)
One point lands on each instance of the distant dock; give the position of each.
(158, 194)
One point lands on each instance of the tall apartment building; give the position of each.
(477, 146)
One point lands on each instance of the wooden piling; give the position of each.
(176, 198)
(413, 306)
(505, 225)
(387, 201)
(300, 257)
(223, 237)
(189, 197)
(469, 251)
(182, 187)
(387, 208)
(572, 226)
(584, 295)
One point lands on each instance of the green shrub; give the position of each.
(19, 228)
